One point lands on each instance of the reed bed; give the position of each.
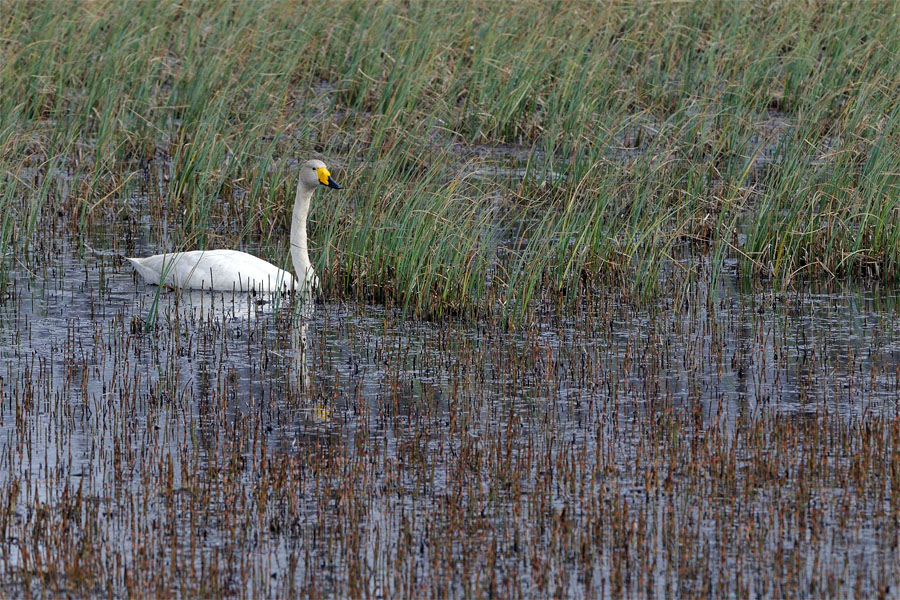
(618, 135)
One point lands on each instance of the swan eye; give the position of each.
(323, 175)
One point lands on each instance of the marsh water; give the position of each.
(729, 445)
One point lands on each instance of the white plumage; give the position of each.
(231, 270)
(218, 270)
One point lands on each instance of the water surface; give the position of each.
(739, 444)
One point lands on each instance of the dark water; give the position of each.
(741, 444)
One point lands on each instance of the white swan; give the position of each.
(230, 270)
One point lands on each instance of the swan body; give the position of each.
(234, 271)
(216, 270)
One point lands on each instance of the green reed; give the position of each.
(620, 135)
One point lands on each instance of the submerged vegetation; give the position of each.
(493, 156)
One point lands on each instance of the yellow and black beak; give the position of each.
(325, 179)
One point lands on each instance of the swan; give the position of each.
(234, 271)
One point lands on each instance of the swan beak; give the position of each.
(325, 179)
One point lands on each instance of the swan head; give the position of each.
(314, 173)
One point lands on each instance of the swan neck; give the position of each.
(299, 243)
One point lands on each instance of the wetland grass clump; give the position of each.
(628, 142)
(620, 134)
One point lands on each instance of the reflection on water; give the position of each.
(254, 445)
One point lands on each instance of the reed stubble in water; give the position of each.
(743, 447)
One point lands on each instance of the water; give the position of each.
(740, 445)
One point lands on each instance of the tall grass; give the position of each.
(618, 135)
